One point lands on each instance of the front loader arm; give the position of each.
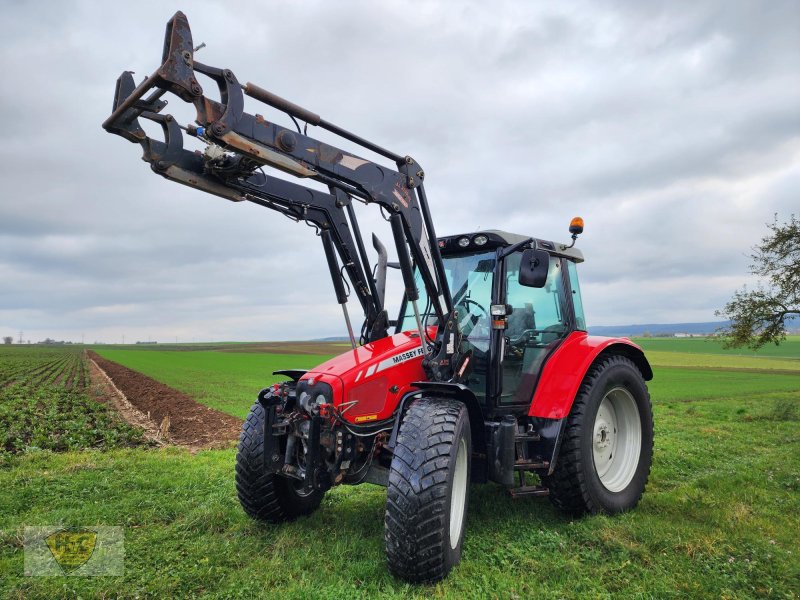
(241, 143)
(318, 209)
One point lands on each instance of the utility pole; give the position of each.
(123, 339)
(20, 337)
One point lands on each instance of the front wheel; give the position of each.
(263, 495)
(607, 444)
(426, 501)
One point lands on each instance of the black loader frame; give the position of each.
(399, 191)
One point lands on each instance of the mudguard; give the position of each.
(567, 366)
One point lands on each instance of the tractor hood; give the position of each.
(376, 376)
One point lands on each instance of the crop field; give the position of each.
(46, 404)
(62, 367)
(719, 517)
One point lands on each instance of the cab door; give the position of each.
(540, 320)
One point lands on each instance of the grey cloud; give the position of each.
(674, 131)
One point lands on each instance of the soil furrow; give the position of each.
(189, 422)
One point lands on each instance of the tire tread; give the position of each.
(416, 512)
(264, 496)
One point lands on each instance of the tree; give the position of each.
(8, 340)
(758, 316)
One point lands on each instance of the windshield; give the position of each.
(470, 279)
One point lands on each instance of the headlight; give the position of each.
(310, 396)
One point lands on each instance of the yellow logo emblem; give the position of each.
(72, 548)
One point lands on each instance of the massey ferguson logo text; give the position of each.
(390, 362)
(406, 355)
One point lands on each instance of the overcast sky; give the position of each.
(672, 128)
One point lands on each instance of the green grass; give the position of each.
(722, 361)
(226, 381)
(689, 385)
(230, 381)
(719, 518)
(788, 349)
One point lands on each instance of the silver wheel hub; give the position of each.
(617, 439)
(603, 437)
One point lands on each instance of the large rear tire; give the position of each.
(607, 445)
(266, 496)
(427, 496)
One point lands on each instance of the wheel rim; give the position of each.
(617, 439)
(459, 496)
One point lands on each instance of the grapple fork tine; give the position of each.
(176, 72)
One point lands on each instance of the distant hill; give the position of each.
(657, 329)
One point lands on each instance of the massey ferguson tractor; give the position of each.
(486, 374)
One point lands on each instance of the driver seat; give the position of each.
(520, 320)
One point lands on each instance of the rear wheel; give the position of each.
(607, 445)
(427, 496)
(266, 496)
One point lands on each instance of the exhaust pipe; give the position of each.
(380, 268)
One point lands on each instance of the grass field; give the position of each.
(719, 518)
(229, 381)
(788, 349)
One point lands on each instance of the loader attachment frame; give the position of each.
(239, 144)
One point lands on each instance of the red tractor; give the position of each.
(486, 374)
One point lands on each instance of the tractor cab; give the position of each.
(509, 321)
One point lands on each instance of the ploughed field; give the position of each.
(719, 517)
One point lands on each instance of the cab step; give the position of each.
(527, 437)
(531, 465)
(528, 490)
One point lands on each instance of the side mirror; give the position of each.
(533, 268)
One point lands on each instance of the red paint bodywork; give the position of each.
(367, 374)
(564, 371)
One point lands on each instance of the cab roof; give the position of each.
(449, 245)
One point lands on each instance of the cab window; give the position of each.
(580, 320)
(538, 322)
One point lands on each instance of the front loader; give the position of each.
(486, 374)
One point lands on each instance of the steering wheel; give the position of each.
(524, 336)
(469, 320)
(466, 302)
